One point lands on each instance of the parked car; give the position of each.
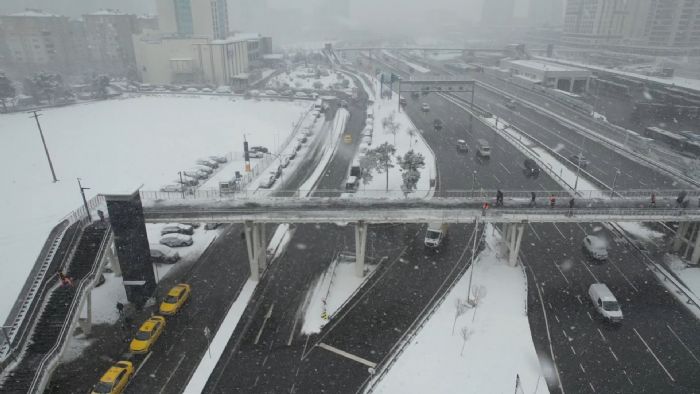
(579, 160)
(298, 146)
(219, 159)
(285, 161)
(207, 90)
(176, 299)
(177, 229)
(186, 181)
(203, 168)
(293, 154)
(259, 148)
(531, 168)
(596, 247)
(148, 334)
(208, 163)
(115, 380)
(277, 172)
(301, 95)
(163, 255)
(195, 174)
(255, 154)
(462, 146)
(176, 240)
(192, 90)
(287, 93)
(172, 188)
(302, 139)
(270, 93)
(212, 226)
(403, 101)
(223, 90)
(267, 183)
(437, 123)
(425, 107)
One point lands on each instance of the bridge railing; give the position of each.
(474, 194)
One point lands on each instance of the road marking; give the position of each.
(549, 337)
(504, 167)
(256, 381)
(572, 350)
(624, 276)
(601, 334)
(172, 373)
(533, 231)
(306, 343)
(654, 354)
(589, 315)
(562, 234)
(142, 364)
(556, 318)
(581, 227)
(683, 343)
(565, 334)
(265, 360)
(592, 388)
(562, 273)
(347, 355)
(578, 298)
(267, 316)
(498, 180)
(613, 354)
(628, 378)
(582, 368)
(589, 270)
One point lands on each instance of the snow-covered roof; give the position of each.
(107, 13)
(34, 14)
(247, 36)
(544, 66)
(274, 56)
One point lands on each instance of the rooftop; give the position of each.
(34, 14)
(545, 66)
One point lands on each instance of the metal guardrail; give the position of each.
(50, 361)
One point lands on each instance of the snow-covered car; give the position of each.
(187, 181)
(277, 172)
(285, 161)
(219, 159)
(172, 188)
(270, 93)
(195, 174)
(177, 228)
(596, 247)
(579, 160)
(208, 163)
(176, 240)
(301, 95)
(207, 90)
(267, 183)
(259, 148)
(144, 87)
(510, 104)
(364, 148)
(163, 255)
(254, 92)
(298, 146)
(287, 93)
(223, 90)
(425, 107)
(367, 140)
(293, 154)
(255, 155)
(302, 138)
(204, 169)
(307, 132)
(212, 226)
(192, 90)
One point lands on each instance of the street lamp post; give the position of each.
(43, 141)
(82, 193)
(182, 185)
(612, 189)
(473, 182)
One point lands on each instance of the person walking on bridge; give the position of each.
(653, 200)
(499, 198)
(571, 207)
(552, 201)
(533, 197)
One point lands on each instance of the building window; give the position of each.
(183, 17)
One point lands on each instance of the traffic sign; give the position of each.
(347, 138)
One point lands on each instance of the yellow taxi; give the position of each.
(176, 298)
(148, 334)
(116, 378)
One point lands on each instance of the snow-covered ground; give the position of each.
(414, 66)
(481, 350)
(201, 238)
(407, 138)
(330, 292)
(305, 78)
(114, 145)
(690, 275)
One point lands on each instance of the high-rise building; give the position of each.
(188, 18)
(110, 45)
(594, 22)
(38, 41)
(497, 13)
(546, 12)
(663, 24)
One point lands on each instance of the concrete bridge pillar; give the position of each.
(86, 324)
(680, 236)
(360, 248)
(695, 257)
(253, 241)
(262, 247)
(514, 237)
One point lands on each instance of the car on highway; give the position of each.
(510, 104)
(176, 240)
(115, 380)
(605, 302)
(437, 124)
(177, 228)
(175, 299)
(293, 153)
(163, 255)
(483, 148)
(284, 162)
(208, 163)
(435, 234)
(596, 247)
(415, 94)
(425, 107)
(579, 160)
(267, 183)
(148, 334)
(462, 146)
(531, 169)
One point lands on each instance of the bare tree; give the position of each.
(460, 308)
(465, 333)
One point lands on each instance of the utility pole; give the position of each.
(612, 189)
(82, 192)
(43, 141)
(182, 185)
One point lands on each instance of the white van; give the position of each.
(435, 234)
(483, 148)
(605, 302)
